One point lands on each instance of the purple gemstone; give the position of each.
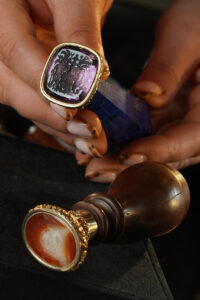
(70, 73)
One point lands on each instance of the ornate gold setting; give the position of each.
(77, 225)
(93, 88)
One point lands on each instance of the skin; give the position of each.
(28, 32)
(169, 83)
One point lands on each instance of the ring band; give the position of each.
(71, 75)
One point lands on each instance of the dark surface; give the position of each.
(31, 175)
(132, 40)
(178, 252)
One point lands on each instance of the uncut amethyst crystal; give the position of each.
(124, 117)
(70, 74)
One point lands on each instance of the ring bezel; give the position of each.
(66, 218)
(93, 87)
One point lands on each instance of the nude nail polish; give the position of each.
(86, 147)
(61, 111)
(146, 89)
(132, 159)
(101, 176)
(78, 128)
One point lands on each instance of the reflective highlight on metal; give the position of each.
(56, 238)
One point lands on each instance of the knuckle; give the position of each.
(87, 35)
(8, 46)
(167, 69)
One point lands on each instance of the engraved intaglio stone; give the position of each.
(70, 75)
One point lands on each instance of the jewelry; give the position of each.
(71, 75)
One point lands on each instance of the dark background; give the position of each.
(128, 39)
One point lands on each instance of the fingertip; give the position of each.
(92, 120)
(147, 89)
(132, 159)
(106, 70)
(63, 112)
(150, 92)
(82, 159)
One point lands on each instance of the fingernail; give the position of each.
(146, 89)
(70, 148)
(82, 159)
(82, 162)
(78, 128)
(132, 159)
(61, 111)
(86, 147)
(105, 74)
(101, 176)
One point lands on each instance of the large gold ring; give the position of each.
(71, 75)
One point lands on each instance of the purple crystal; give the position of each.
(70, 74)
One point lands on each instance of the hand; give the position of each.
(170, 85)
(24, 49)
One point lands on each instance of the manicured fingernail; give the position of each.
(86, 147)
(146, 89)
(132, 159)
(82, 162)
(105, 74)
(78, 128)
(70, 148)
(101, 176)
(82, 159)
(61, 111)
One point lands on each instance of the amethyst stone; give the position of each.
(70, 75)
(124, 117)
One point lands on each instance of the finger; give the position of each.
(185, 163)
(94, 147)
(65, 137)
(176, 143)
(40, 13)
(16, 93)
(194, 97)
(46, 38)
(86, 124)
(82, 159)
(19, 49)
(64, 112)
(175, 55)
(82, 25)
(103, 170)
(196, 76)
(37, 136)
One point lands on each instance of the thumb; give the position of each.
(174, 56)
(79, 22)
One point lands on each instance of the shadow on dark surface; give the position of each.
(31, 175)
(131, 30)
(178, 252)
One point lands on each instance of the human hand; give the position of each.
(24, 49)
(170, 85)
